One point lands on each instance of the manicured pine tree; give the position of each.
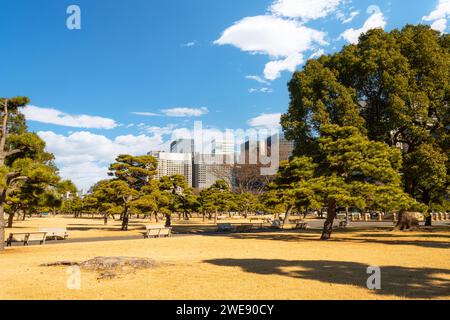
(394, 87)
(22, 156)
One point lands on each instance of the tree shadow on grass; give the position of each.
(418, 283)
(403, 235)
(312, 235)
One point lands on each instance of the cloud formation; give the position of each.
(376, 20)
(260, 90)
(84, 157)
(257, 79)
(56, 117)
(304, 9)
(189, 44)
(266, 120)
(185, 112)
(283, 40)
(439, 16)
(176, 112)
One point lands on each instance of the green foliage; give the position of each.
(393, 87)
(217, 198)
(28, 175)
(135, 171)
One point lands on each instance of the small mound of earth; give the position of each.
(108, 263)
(109, 267)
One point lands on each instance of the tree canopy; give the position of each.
(349, 110)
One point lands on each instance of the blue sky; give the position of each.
(140, 71)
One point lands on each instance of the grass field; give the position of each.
(274, 265)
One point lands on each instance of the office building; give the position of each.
(207, 169)
(182, 146)
(223, 146)
(170, 164)
(285, 147)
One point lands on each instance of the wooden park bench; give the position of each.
(55, 233)
(224, 227)
(301, 225)
(244, 227)
(238, 227)
(157, 232)
(26, 238)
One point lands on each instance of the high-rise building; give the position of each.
(256, 157)
(223, 146)
(207, 169)
(285, 147)
(251, 151)
(182, 146)
(170, 164)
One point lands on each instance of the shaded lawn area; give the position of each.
(422, 283)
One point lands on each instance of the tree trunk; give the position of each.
(215, 217)
(125, 223)
(331, 215)
(429, 218)
(168, 221)
(10, 220)
(2, 163)
(288, 214)
(2, 226)
(125, 220)
(4, 134)
(347, 216)
(429, 221)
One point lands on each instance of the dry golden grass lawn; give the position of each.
(88, 227)
(79, 228)
(283, 265)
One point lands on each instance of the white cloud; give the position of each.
(155, 130)
(260, 90)
(439, 16)
(376, 20)
(304, 9)
(257, 79)
(266, 120)
(317, 54)
(84, 157)
(176, 112)
(146, 114)
(189, 44)
(54, 116)
(185, 112)
(284, 41)
(439, 25)
(270, 35)
(350, 18)
(273, 69)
